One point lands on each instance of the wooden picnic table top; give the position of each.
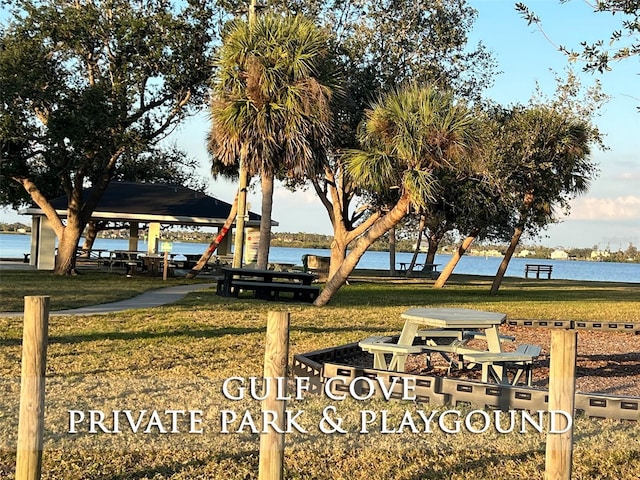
(127, 252)
(454, 317)
(431, 265)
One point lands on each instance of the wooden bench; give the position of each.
(454, 339)
(272, 290)
(379, 346)
(472, 334)
(91, 257)
(419, 268)
(521, 360)
(538, 269)
(430, 334)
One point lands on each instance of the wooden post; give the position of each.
(34, 360)
(275, 366)
(562, 390)
(165, 266)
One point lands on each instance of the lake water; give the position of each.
(14, 246)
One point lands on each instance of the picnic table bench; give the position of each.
(538, 269)
(521, 360)
(92, 256)
(379, 346)
(431, 268)
(267, 284)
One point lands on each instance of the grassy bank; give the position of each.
(176, 358)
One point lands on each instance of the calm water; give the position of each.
(14, 246)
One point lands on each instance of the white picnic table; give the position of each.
(455, 320)
(455, 326)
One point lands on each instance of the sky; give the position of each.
(608, 216)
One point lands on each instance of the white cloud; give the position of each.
(306, 197)
(603, 209)
(634, 177)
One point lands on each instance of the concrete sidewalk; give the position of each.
(151, 299)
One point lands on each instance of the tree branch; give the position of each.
(40, 200)
(364, 226)
(322, 195)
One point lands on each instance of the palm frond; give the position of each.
(268, 99)
(422, 186)
(418, 130)
(373, 170)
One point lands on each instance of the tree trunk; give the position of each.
(90, 236)
(515, 239)
(416, 251)
(67, 247)
(78, 213)
(338, 250)
(433, 241)
(266, 180)
(392, 251)
(336, 194)
(457, 255)
(204, 259)
(377, 229)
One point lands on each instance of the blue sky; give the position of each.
(609, 215)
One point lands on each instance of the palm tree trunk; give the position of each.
(515, 239)
(416, 251)
(266, 180)
(392, 251)
(204, 259)
(379, 228)
(457, 255)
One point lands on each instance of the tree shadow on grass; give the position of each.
(168, 470)
(187, 333)
(389, 295)
(470, 467)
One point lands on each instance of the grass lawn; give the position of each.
(178, 356)
(92, 287)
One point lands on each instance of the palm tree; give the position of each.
(546, 153)
(270, 107)
(405, 137)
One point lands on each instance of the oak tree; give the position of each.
(86, 86)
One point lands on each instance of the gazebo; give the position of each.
(134, 203)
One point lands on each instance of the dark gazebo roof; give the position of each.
(154, 202)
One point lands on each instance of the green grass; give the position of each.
(177, 357)
(89, 288)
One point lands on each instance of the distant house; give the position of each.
(600, 254)
(526, 253)
(559, 255)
